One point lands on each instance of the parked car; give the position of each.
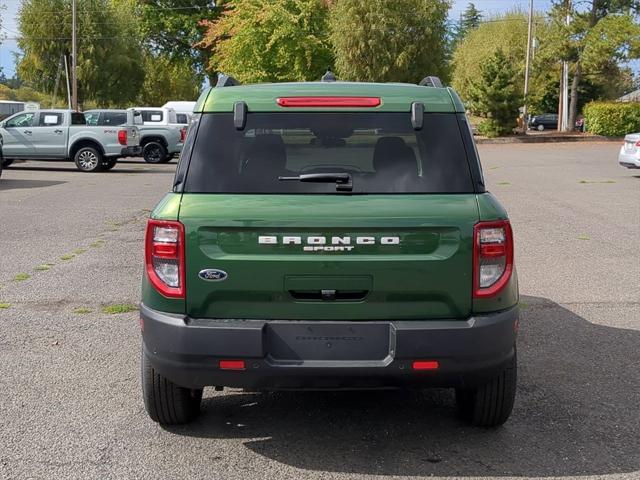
(329, 235)
(184, 110)
(1, 157)
(629, 155)
(162, 135)
(548, 121)
(64, 135)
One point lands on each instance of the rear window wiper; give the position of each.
(343, 180)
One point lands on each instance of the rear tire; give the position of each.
(166, 402)
(88, 159)
(154, 152)
(7, 162)
(489, 405)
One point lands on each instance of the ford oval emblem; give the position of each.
(213, 275)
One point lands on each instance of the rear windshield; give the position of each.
(380, 152)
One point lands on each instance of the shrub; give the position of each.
(495, 97)
(612, 119)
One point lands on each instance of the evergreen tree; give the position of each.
(495, 96)
(469, 19)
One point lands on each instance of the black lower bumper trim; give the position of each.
(319, 354)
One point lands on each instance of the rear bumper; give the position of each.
(131, 151)
(629, 160)
(298, 354)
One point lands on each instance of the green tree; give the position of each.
(175, 29)
(109, 53)
(379, 40)
(266, 40)
(595, 42)
(469, 20)
(495, 96)
(168, 79)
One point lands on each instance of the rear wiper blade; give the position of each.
(343, 180)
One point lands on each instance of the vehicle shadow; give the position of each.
(128, 167)
(18, 184)
(577, 413)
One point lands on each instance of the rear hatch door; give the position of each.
(329, 257)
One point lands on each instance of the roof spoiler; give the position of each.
(431, 82)
(226, 81)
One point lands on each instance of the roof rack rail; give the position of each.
(431, 82)
(226, 81)
(329, 76)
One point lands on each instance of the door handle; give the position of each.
(28, 132)
(57, 131)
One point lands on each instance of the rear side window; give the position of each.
(49, 119)
(182, 118)
(78, 119)
(381, 152)
(152, 115)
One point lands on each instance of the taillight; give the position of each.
(638, 144)
(164, 257)
(183, 134)
(122, 137)
(492, 257)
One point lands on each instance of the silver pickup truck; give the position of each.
(65, 135)
(161, 138)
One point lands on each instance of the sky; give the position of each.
(10, 28)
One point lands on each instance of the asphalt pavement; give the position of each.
(71, 246)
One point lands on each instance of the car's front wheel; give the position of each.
(540, 128)
(166, 402)
(490, 405)
(88, 159)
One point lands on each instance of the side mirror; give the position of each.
(1, 124)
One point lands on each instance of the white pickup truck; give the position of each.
(65, 135)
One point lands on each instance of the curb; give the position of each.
(546, 139)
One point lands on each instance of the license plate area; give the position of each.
(299, 342)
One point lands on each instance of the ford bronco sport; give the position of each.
(329, 235)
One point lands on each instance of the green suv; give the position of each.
(329, 235)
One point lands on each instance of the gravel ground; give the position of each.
(70, 375)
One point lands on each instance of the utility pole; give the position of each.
(526, 69)
(74, 63)
(563, 123)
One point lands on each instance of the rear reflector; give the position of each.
(232, 364)
(328, 101)
(426, 365)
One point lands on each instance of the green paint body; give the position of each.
(428, 275)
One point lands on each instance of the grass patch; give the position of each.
(4, 305)
(584, 237)
(504, 183)
(494, 168)
(97, 244)
(82, 310)
(119, 308)
(44, 267)
(597, 181)
(67, 256)
(79, 251)
(21, 277)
